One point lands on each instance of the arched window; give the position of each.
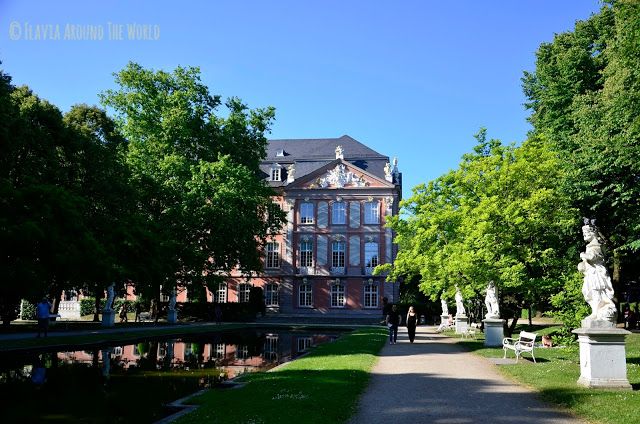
(338, 248)
(371, 256)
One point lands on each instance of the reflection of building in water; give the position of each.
(231, 359)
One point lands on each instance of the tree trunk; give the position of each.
(511, 328)
(530, 319)
(96, 312)
(57, 297)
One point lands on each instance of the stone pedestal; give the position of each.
(493, 331)
(444, 320)
(603, 362)
(461, 324)
(172, 316)
(108, 318)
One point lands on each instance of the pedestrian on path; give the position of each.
(412, 323)
(43, 310)
(393, 321)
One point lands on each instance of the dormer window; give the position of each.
(276, 172)
(280, 153)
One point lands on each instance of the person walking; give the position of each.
(412, 323)
(43, 310)
(393, 321)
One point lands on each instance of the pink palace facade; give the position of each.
(337, 194)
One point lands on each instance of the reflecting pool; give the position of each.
(134, 382)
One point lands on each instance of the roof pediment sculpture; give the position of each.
(340, 177)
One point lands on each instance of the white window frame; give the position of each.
(370, 295)
(242, 352)
(339, 213)
(338, 253)
(306, 253)
(271, 297)
(272, 259)
(305, 295)
(276, 173)
(244, 290)
(220, 295)
(371, 256)
(307, 213)
(219, 350)
(270, 350)
(304, 343)
(372, 212)
(338, 295)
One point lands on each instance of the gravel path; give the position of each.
(435, 381)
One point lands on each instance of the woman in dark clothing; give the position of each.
(393, 321)
(412, 322)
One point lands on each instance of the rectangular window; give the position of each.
(306, 213)
(305, 295)
(271, 295)
(270, 350)
(370, 296)
(242, 352)
(273, 255)
(221, 293)
(371, 212)
(219, 350)
(243, 292)
(337, 254)
(304, 343)
(306, 253)
(370, 256)
(338, 213)
(275, 174)
(337, 296)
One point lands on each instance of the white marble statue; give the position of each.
(387, 172)
(108, 305)
(459, 306)
(597, 288)
(491, 301)
(172, 300)
(339, 152)
(445, 308)
(291, 173)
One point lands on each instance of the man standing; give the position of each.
(393, 321)
(43, 309)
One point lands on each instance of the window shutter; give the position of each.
(323, 214)
(322, 251)
(354, 214)
(354, 250)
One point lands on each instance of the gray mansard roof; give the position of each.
(313, 153)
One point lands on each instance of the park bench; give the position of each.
(524, 343)
(145, 317)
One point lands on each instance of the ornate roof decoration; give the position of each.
(339, 177)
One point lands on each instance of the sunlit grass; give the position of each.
(555, 376)
(322, 387)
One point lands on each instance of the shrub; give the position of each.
(569, 305)
(27, 310)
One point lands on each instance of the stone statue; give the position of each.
(339, 152)
(108, 305)
(291, 173)
(172, 300)
(445, 308)
(387, 172)
(597, 288)
(491, 301)
(459, 306)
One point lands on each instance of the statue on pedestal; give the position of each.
(459, 306)
(445, 308)
(596, 289)
(491, 301)
(108, 305)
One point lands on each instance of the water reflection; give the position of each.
(156, 371)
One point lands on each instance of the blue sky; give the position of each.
(412, 79)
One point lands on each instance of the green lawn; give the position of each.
(555, 376)
(322, 387)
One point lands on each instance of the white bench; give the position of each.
(524, 343)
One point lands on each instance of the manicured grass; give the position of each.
(322, 387)
(555, 376)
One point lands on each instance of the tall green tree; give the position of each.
(199, 171)
(498, 217)
(585, 99)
